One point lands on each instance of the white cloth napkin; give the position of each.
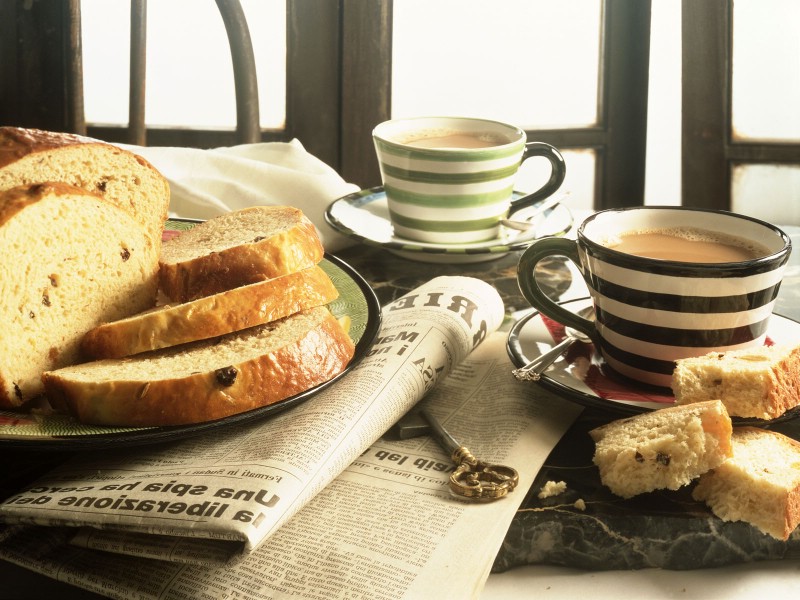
(206, 183)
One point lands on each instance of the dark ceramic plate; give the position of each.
(356, 301)
(583, 377)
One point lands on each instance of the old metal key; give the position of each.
(472, 478)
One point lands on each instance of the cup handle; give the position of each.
(526, 278)
(557, 174)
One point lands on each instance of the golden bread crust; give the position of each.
(16, 199)
(212, 391)
(211, 316)
(17, 142)
(29, 156)
(217, 268)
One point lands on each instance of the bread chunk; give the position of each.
(759, 382)
(760, 484)
(662, 449)
(206, 380)
(123, 178)
(211, 316)
(68, 261)
(238, 248)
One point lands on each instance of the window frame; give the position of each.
(618, 139)
(708, 150)
(339, 88)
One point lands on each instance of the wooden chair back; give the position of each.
(244, 72)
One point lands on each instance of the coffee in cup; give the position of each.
(454, 139)
(450, 180)
(667, 283)
(686, 245)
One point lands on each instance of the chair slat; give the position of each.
(248, 127)
(75, 118)
(138, 72)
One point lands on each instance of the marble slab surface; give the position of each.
(662, 529)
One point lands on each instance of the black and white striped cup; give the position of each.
(651, 312)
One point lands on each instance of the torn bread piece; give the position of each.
(760, 383)
(759, 484)
(662, 449)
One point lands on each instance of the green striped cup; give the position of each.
(449, 180)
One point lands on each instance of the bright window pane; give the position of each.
(105, 29)
(578, 185)
(534, 63)
(766, 70)
(189, 69)
(663, 167)
(768, 192)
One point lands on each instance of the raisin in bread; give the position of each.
(760, 484)
(238, 248)
(662, 449)
(759, 382)
(121, 177)
(206, 380)
(211, 316)
(68, 261)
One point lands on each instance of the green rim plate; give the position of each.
(364, 216)
(42, 431)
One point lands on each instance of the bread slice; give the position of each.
(33, 156)
(662, 449)
(760, 484)
(238, 248)
(206, 380)
(211, 316)
(68, 261)
(761, 382)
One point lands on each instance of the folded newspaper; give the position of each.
(315, 502)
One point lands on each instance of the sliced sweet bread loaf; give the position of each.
(68, 261)
(662, 449)
(211, 316)
(206, 380)
(761, 382)
(238, 248)
(33, 156)
(759, 484)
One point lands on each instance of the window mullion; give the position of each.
(366, 85)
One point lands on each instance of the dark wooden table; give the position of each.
(609, 535)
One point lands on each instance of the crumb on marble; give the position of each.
(580, 504)
(552, 488)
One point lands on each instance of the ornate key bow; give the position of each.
(472, 478)
(476, 479)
